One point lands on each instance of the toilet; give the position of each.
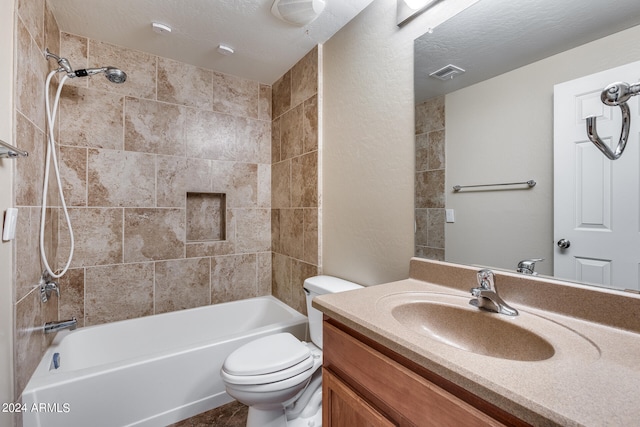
(279, 376)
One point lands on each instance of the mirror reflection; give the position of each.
(495, 123)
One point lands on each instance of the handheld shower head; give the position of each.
(114, 75)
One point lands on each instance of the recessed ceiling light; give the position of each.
(160, 28)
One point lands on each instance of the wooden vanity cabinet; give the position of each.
(366, 384)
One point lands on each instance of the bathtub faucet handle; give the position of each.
(47, 285)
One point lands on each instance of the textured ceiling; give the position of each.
(265, 47)
(496, 36)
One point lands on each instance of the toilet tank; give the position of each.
(320, 285)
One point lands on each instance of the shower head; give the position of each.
(114, 75)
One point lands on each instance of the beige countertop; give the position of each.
(592, 379)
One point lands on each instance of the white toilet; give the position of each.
(278, 376)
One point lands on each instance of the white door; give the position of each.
(596, 200)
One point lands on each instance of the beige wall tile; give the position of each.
(292, 133)
(436, 150)
(422, 152)
(31, 70)
(276, 243)
(118, 292)
(51, 30)
(30, 342)
(75, 49)
(264, 103)
(430, 189)
(253, 140)
(91, 119)
(29, 172)
(281, 277)
(171, 179)
(304, 78)
(304, 180)
(281, 95)
(264, 273)
(98, 236)
(435, 225)
(281, 185)
(139, 66)
(27, 251)
(181, 284)
(245, 186)
(264, 186)
(430, 115)
(235, 95)
(184, 84)
(73, 172)
(310, 124)
(291, 232)
(31, 12)
(276, 155)
(253, 230)
(71, 303)
(211, 135)
(153, 234)
(121, 178)
(233, 277)
(310, 233)
(154, 127)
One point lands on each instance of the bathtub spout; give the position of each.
(51, 327)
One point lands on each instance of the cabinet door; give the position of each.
(343, 407)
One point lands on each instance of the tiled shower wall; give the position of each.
(294, 175)
(429, 183)
(131, 155)
(35, 28)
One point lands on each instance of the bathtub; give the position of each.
(150, 371)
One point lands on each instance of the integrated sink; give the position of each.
(475, 331)
(449, 319)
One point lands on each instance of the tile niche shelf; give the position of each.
(206, 217)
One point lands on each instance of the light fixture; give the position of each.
(409, 9)
(297, 12)
(160, 28)
(225, 50)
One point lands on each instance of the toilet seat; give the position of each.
(267, 360)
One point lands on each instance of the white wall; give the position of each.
(502, 130)
(367, 145)
(6, 184)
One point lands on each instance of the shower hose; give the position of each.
(51, 153)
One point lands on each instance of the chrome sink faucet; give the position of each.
(486, 295)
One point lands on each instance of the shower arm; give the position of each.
(614, 94)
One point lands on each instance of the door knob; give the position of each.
(563, 243)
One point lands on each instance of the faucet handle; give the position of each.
(486, 279)
(527, 266)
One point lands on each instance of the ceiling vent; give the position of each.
(297, 12)
(447, 72)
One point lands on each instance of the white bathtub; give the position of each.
(150, 371)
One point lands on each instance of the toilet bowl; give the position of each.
(279, 376)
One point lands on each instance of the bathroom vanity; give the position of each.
(415, 352)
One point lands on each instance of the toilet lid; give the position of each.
(266, 355)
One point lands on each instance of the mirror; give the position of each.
(493, 123)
